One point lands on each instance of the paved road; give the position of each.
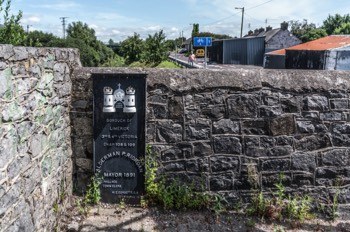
(199, 63)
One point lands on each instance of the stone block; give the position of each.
(339, 104)
(242, 182)
(269, 180)
(176, 108)
(304, 162)
(157, 111)
(227, 145)
(332, 116)
(341, 134)
(275, 165)
(303, 179)
(310, 127)
(174, 166)
(243, 106)
(157, 98)
(269, 111)
(214, 111)
(38, 143)
(18, 165)
(197, 165)
(168, 131)
(290, 105)
(172, 154)
(226, 126)
(224, 163)
(84, 165)
(255, 127)
(256, 152)
(336, 157)
(202, 149)
(221, 182)
(200, 130)
(284, 140)
(251, 141)
(280, 151)
(267, 141)
(312, 142)
(283, 125)
(315, 102)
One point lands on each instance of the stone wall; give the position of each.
(220, 128)
(35, 147)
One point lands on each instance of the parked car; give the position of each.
(183, 50)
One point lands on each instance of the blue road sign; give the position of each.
(202, 41)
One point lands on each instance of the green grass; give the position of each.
(164, 64)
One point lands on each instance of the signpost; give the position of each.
(119, 135)
(203, 42)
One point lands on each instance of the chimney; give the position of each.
(284, 26)
(269, 28)
(261, 29)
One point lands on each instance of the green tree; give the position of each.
(39, 39)
(93, 52)
(299, 29)
(132, 48)
(155, 48)
(334, 22)
(11, 32)
(313, 34)
(343, 29)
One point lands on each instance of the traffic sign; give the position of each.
(202, 41)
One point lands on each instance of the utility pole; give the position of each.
(28, 28)
(241, 8)
(63, 19)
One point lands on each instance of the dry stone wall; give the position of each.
(35, 148)
(232, 131)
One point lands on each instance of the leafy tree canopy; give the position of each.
(132, 48)
(334, 22)
(11, 32)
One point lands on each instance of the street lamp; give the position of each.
(241, 8)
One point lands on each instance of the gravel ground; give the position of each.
(107, 217)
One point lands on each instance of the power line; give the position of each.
(220, 20)
(63, 19)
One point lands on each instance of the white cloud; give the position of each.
(60, 6)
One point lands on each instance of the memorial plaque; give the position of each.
(119, 135)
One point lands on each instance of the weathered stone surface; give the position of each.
(269, 180)
(303, 179)
(168, 131)
(310, 127)
(304, 162)
(332, 116)
(224, 163)
(227, 145)
(312, 142)
(174, 166)
(197, 165)
(172, 154)
(315, 102)
(269, 111)
(201, 130)
(34, 137)
(341, 134)
(222, 182)
(290, 105)
(339, 104)
(176, 108)
(242, 106)
(275, 164)
(336, 157)
(255, 127)
(201, 149)
(158, 111)
(226, 126)
(283, 125)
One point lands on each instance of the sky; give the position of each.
(119, 19)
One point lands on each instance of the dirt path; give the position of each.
(106, 217)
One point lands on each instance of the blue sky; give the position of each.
(118, 19)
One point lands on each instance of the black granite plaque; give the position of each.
(119, 135)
